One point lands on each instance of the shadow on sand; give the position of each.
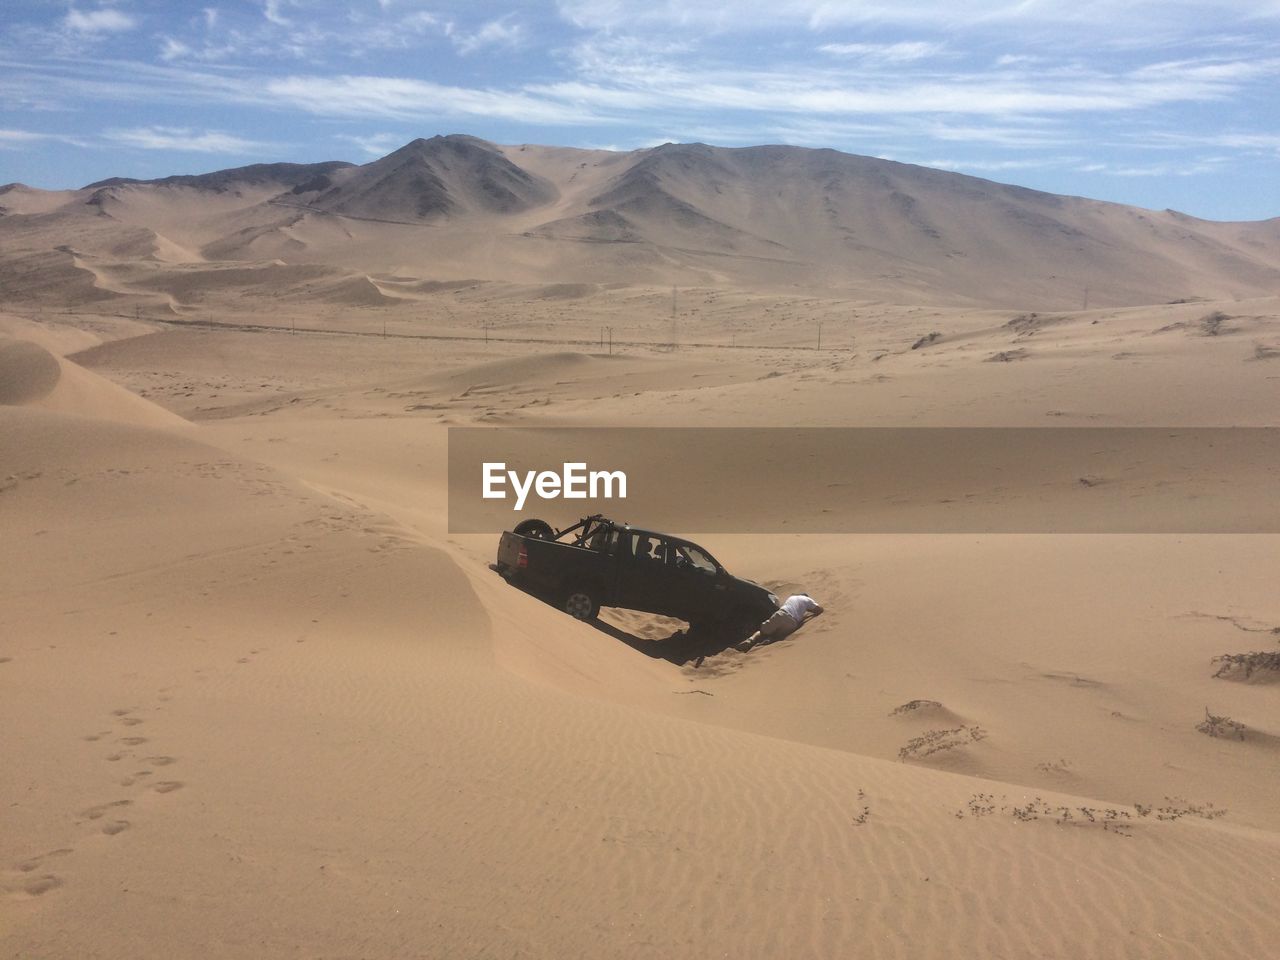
(680, 648)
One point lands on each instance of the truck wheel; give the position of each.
(537, 529)
(581, 603)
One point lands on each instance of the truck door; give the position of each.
(697, 589)
(645, 581)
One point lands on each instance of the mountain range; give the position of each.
(760, 218)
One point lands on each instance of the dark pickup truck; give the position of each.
(597, 562)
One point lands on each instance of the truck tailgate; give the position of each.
(509, 552)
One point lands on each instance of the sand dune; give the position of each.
(27, 371)
(262, 702)
(32, 376)
(285, 663)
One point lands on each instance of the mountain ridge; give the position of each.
(766, 217)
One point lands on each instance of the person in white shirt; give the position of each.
(786, 620)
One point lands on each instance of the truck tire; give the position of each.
(537, 529)
(582, 602)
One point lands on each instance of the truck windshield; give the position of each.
(687, 553)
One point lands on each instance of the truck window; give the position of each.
(611, 542)
(687, 553)
(646, 547)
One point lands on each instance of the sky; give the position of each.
(1169, 104)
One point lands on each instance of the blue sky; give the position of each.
(1168, 104)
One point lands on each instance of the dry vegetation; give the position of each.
(936, 741)
(1232, 665)
(1214, 725)
(1116, 819)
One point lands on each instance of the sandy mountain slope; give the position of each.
(858, 220)
(426, 180)
(761, 218)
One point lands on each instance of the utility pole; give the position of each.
(819, 335)
(673, 317)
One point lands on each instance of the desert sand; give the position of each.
(259, 702)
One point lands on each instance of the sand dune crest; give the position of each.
(27, 371)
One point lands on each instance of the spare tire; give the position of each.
(537, 529)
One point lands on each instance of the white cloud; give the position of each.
(419, 20)
(619, 86)
(21, 136)
(105, 20)
(15, 139)
(1017, 59)
(1263, 142)
(1184, 168)
(271, 10)
(902, 52)
(183, 139)
(997, 166)
(1103, 17)
(404, 98)
(1029, 133)
(496, 33)
(652, 85)
(376, 144)
(171, 49)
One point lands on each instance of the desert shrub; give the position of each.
(864, 813)
(912, 705)
(1211, 323)
(1112, 819)
(1007, 356)
(1231, 664)
(935, 741)
(1215, 726)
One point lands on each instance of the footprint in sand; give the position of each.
(35, 883)
(102, 809)
(131, 721)
(168, 786)
(112, 827)
(35, 863)
(132, 741)
(160, 761)
(38, 886)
